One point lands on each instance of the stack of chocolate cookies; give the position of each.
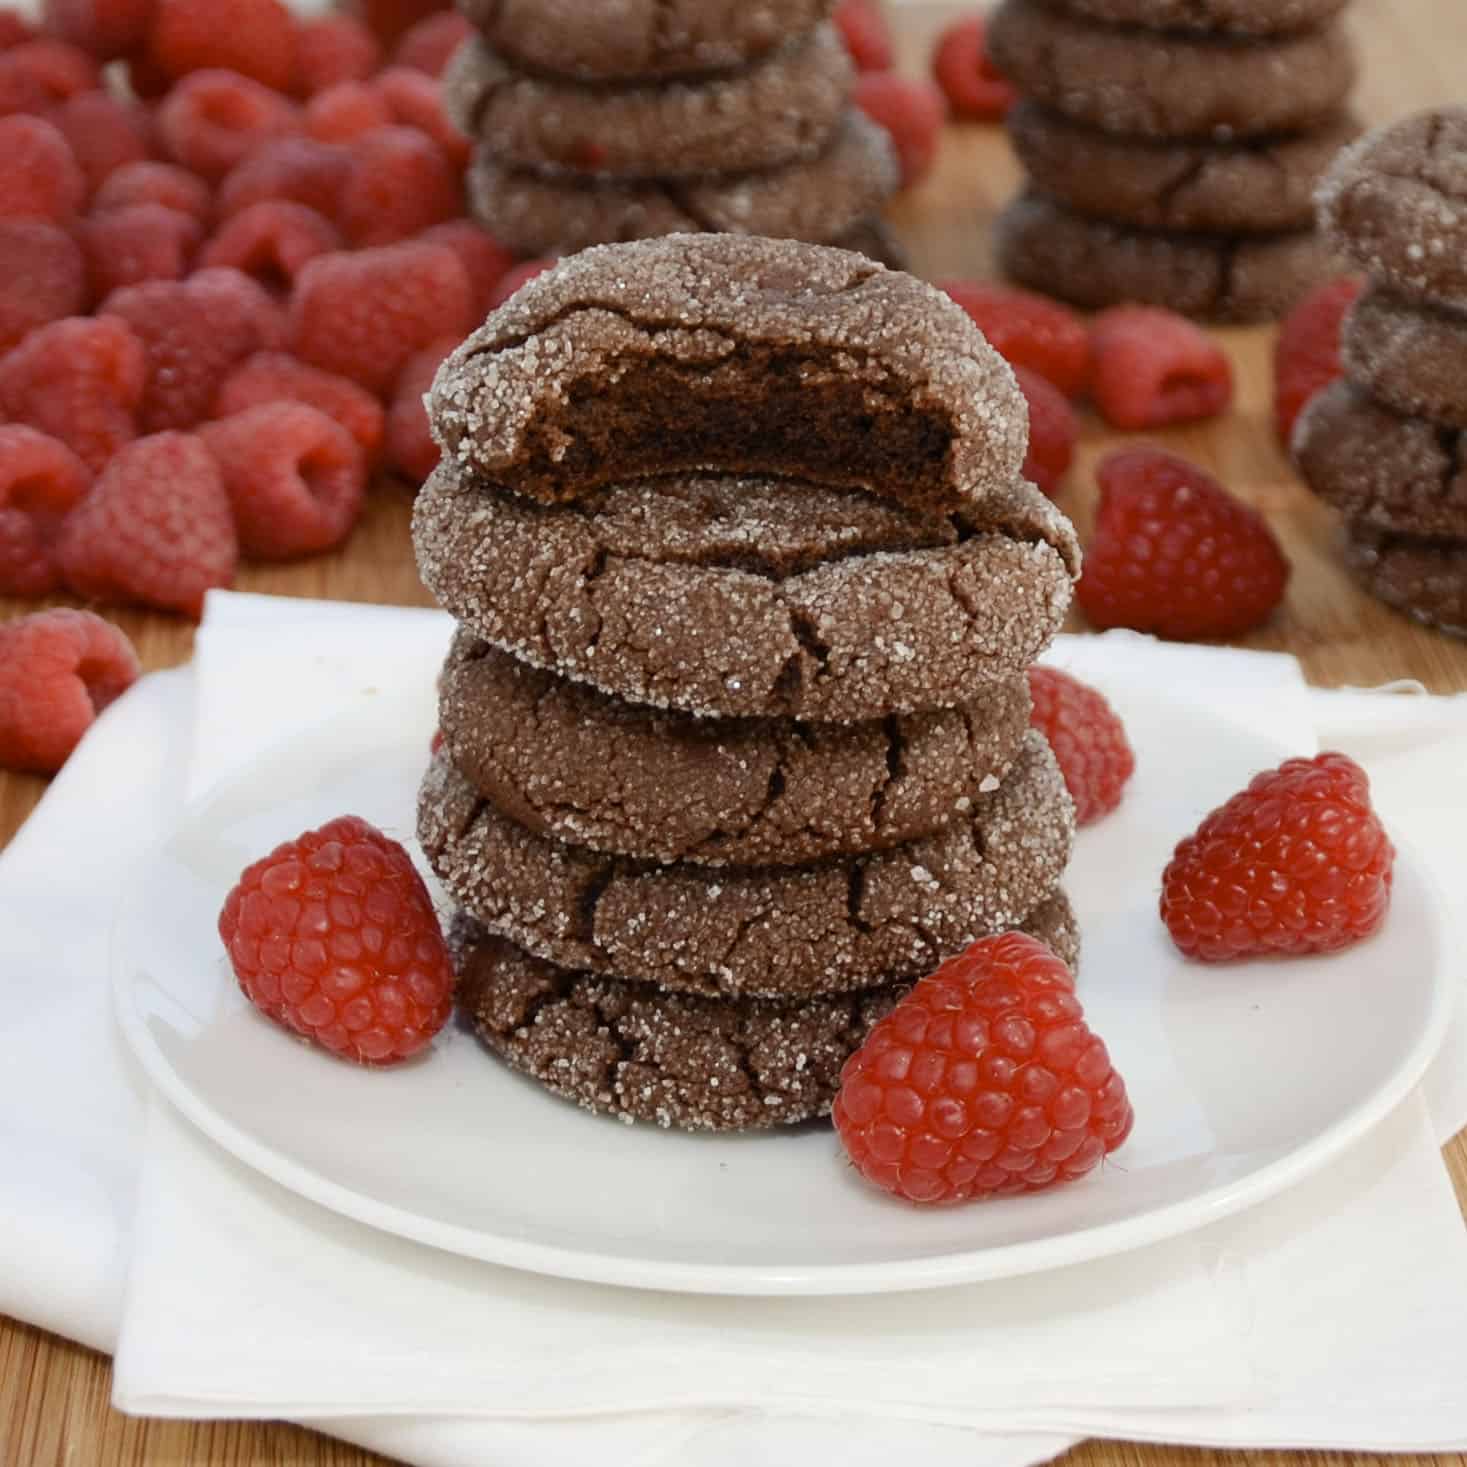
(736, 736)
(1387, 445)
(1173, 148)
(602, 123)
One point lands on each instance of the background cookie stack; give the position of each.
(1388, 444)
(1173, 147)
(597, 124)
(736, 737)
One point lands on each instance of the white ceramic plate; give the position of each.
(1244, 1078)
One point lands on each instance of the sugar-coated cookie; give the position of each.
(1409, 356)
(785, 932)
(823, 200)
(1426, 579)
(690, 1061)
(1094, 263)
(1171, 84)
(753, 598)
(565, 760)
(784, 109)
(636, 40)
(736, 355)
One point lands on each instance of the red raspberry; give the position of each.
(156, 528)
(140, 243)
(912, 112)
(213, 120)
(15, 30)
(410, 446)
(195, 332)
(415, 101)
(333, 935)
(431, 42)
(390, 19)
(39, 75)
(276, 377)
(1151, 367)
(155, 183)
(271, 242)
(40, 480)
(1175, 554)
(983, 1082)
(256, 38)
(1029, 330)
(80, 380)
(145, 78)
(105, 29)
(346, 111)
(864, 29)
(42, 278)
(973, 85)
(39, 177)
(363, 315)
(511, 280)
(1088, 739)
(1296, 863)
(1053, 431)
(296, 480)
(332, 49)
(103, 134)
(58, 670)
(1306, 354)
(400, 184)
(486, 260)
(299, 169)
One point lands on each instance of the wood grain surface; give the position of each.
(54, 1395)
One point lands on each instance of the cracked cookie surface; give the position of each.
(822, 200)
(1410, 356)
(1426, 579)
(1380, 469)
(785, 108)
(1259, 187)
(1172, 84)
(729, 354)
(738, 598)
(768, 931)
(564, 760)
(636, 1052)
(620, 40)
(1095, 263)
(1396, 203)
(1245, 17)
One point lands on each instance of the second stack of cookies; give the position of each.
(1387, 445)
(599, 124)
(1173, 147)
(736, 734)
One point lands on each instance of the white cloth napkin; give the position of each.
(229, 1271)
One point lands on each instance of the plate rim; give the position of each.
(1009, 1260)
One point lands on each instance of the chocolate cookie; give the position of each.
(639, 40)
(743, 598)
(565, 760)
(1380, 469)
(820, 200)
(1247, 17)
(1216, 277)
(873, 238)
(1396, 204)
(639, 1053)
(736, 355)
(1409, 356)
(1262, 187)
(1426, 579)
(785, 108)
(781, 932)
(1171, 84)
